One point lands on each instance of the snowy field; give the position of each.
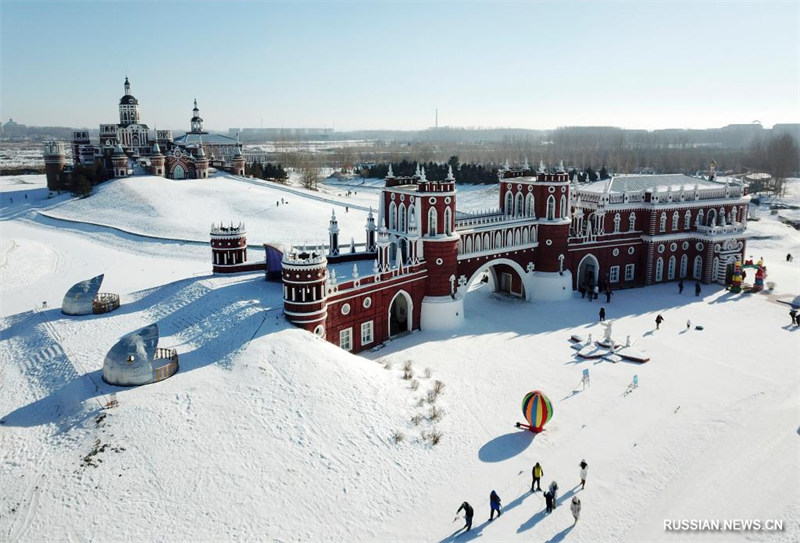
(267, 433)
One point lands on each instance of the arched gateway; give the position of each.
(506, 277)
(401, 313)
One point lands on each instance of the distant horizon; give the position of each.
(350, 65)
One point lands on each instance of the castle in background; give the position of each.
(127, 148)
(547, 238)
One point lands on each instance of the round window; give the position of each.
(439, 261)
(661, 248)
(367, 303)
(432, 200)
(685, 245)
(630, 250)
(549, 242)
(551, 189)
(346, 309)
(563, 189)
(615, 252)
(447, 200)
(673, 247)
(699, 246)
(319, 331)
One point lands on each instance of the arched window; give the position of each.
(448, 218)
(733, 215)
(433, 222)
(698, 267)
(671, 268)
(477, 243)
(662, 223)
(525, 236)
(712, 217)
(684, 266)
(715, 269)
(518, 203)
(469, 244)
(687, 220)
(659, 269)
(509, 239)
(529, 212)
(675, 221)
(617, 220)
(498, 241)
(562, 211)
(486, 244)
(632, 222)
(401, 218)
(509, 210)
(699, 218)
(392, 216)
(517, 238)
(551, 208)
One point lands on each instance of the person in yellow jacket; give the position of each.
(538, 473)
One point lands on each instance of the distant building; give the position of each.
(128, 148)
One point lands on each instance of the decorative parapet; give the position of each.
(231, 230)
(736, 228)
(304, 257)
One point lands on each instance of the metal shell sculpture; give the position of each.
(537, 410)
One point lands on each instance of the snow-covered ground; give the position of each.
(269, 433)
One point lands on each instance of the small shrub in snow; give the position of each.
(421, 402)
(416, 419)
(414, 384)
(438, 387)
(428, 373)
(387, 365)
(435, 436)
(408, 374)
(397, 437)
(431, 396)
(435, 414)
(407, 365)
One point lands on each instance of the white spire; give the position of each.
(450, 173)
(422, 175)
(417, 172)
(505, 166)
(390, 172)
(541, 166)
(355, 271)
(334, 225)
(560, 165)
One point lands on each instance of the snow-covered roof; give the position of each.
(78, 299)
(130, 360)
(208, 139)
(637, 183)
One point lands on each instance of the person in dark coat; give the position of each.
(680, 286)
(602, 314)
(538, 473)
(659, 320)
(548, 500)
(583, 291)
(608, 295)
(494, 503)
(584, 468)
(697, 289)
(793, 315)
(468, 514)
(554, 493)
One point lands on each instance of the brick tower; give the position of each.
(55, 159)
(305, 277)
(228, 246)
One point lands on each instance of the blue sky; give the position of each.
(354, 65)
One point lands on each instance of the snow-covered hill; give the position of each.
(269, 433)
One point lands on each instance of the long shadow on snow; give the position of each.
(506, 446)
(234, 313)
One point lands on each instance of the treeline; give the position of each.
(84, 177)
(779, 156)
(464, 173)
(268, 171)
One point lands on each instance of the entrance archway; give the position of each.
(504, 276)
(401, 313)
(588, 270)
(178, 172)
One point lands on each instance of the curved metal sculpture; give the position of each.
(130, 360)
(78, 299)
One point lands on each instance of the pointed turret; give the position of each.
(450, 173)
(333, 235)
(370, 231)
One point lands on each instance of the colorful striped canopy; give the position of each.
(537, 409)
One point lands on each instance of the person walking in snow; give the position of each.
(554, 492)
(793, 315)
(468, 514)
(576, 508)
(680, 286)
(494, 503)
(688, 324)
(538, 472)
(548, 500)
(659, 320)
(596, 291)
(697, 288)
(608, 294)
(583, 291)
(584, 466)
(602, 314)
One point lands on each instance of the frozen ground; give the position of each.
(269, 433)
